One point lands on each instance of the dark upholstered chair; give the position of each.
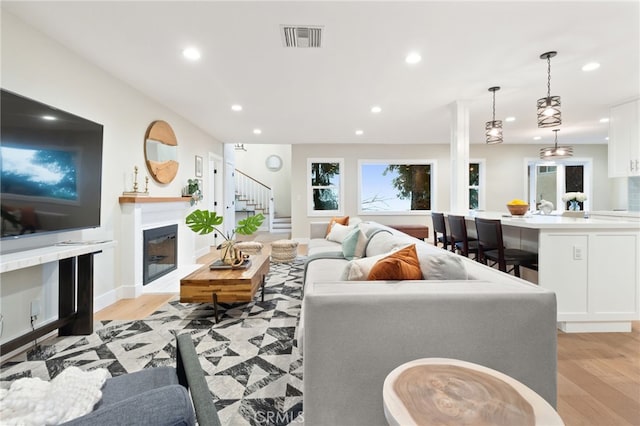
(491, 247)
(439, 227)
(460, 240)
(157, 396)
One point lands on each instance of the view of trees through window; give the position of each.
(474, 186)
(395, 187)
(325, 186)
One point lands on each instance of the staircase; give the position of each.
(253, 197)
(281, 225)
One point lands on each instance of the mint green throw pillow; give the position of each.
(354, 244)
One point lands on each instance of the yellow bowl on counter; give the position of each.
(518, 209)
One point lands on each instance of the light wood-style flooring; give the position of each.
(598, 373)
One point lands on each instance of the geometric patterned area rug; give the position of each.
(250, 359)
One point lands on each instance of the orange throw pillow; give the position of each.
(341, 220)
(400, 265)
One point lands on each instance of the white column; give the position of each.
(459, 157)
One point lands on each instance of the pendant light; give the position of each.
(549, 107)
(556, 152)
(493, 128)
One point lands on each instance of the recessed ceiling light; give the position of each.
(413, 58)
(537, 138)
(191, 53)
(236, 107)
(590, 66)
(49, 117)
(510, 119)
(359, 132)
(257, 131)
(376, 109)
(604, 120)
(607, 138)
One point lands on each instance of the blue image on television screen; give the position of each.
(49, 173)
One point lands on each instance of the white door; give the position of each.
(215, 195)
(229, 189)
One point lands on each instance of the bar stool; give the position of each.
(491, 246)
(439, 227)
(460, 239)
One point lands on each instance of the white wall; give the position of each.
(505, 176)
(37, 67)
(252, 162)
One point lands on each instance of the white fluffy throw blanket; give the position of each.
(33, 401)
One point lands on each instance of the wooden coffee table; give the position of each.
(225, 285)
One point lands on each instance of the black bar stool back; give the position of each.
(491, 247)
(460, 240)
(439, 227)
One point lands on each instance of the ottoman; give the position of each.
(249, 247)
(283, 251)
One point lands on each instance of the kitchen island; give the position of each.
(591, 264)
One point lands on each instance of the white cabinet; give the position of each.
(624, 140)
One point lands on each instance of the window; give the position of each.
(476, 185)
(404, 186)
(325, 188)
(549, 181)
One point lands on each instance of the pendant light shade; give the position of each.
(493, 128)
(556, 152)
(549, 106)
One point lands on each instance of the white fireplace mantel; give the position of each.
(139, 214)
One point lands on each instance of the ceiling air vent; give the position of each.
(301, 36)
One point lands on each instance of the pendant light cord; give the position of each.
(494, 105)
(548, 76)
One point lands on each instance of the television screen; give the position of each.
(50, 168)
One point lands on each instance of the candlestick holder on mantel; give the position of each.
(135, 192)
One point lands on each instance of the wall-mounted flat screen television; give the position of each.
(50, 168)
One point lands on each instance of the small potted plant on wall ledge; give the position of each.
(204, 222)
(192, 190)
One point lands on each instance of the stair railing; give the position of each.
(256, 193)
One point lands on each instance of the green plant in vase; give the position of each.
(204, 222)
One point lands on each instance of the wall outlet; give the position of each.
(35, 308)
(578, 253)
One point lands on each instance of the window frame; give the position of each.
(310, 207)
(586, 163)
(433, 185)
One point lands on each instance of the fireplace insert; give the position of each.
(160, 252)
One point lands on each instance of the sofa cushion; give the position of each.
(443, 267)
(321, 245)
(354, 244)
(341, 220)
(338, 232)
(383, 242)
(400, 265)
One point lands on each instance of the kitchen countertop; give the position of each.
(535, 221)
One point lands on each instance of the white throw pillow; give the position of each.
(443, 267)
(338, 232)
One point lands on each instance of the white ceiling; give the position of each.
(323, 95)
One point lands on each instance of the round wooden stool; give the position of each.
(284, 251)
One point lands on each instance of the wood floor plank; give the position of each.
(133, 309)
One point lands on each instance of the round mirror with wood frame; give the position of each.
(161, 151)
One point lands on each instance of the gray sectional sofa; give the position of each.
(353, 333)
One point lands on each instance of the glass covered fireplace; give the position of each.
(160, 252)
